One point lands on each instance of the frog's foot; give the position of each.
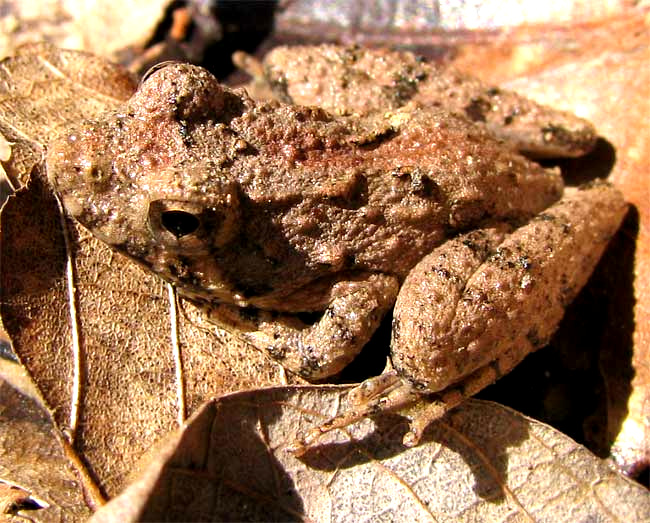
(316, 351)
(439, 403)
(383, 393)
(390, 392)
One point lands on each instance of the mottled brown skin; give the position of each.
(348, 80)
(262, 211)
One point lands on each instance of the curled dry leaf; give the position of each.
(483, 462)
(33, 465)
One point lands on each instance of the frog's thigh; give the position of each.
(475, 302)
(316, 351)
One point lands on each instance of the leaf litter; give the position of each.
(123, 390)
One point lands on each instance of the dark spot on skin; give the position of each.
(185, 133)
(566, 295)
(422, 185)
(311, 114)
(355, 195)
(477, 244)
(405, 374)
(277, 352)
(309, 364)
(404, 86)
(535, 340)
(493, 91)
(249, 314)
(544, 217)
(472, 246)
(344, 334)
(444, 273)
(477, 109)
(374, 139)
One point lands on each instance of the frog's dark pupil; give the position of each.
(179, 223)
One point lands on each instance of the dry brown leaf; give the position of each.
(33, 462)
(28, 22)
(104, 27)
(482, 462)
(43, 88)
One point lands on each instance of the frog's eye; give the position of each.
(194, 226)
(157, 67)
(179, 223)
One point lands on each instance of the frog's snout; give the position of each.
(74, 173)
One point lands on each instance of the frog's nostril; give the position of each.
(179, 223)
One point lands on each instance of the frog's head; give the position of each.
(139, 182)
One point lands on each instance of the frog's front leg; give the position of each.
(316, 351)
(476, 306)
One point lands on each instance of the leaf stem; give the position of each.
(176, 351)
(74, 329)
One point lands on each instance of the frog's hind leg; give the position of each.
(473, 309)
(316, 351)
(477, 299)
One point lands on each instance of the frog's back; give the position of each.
(327, 195)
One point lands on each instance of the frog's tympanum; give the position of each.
(379, 182)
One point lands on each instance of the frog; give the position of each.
(300, 227)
